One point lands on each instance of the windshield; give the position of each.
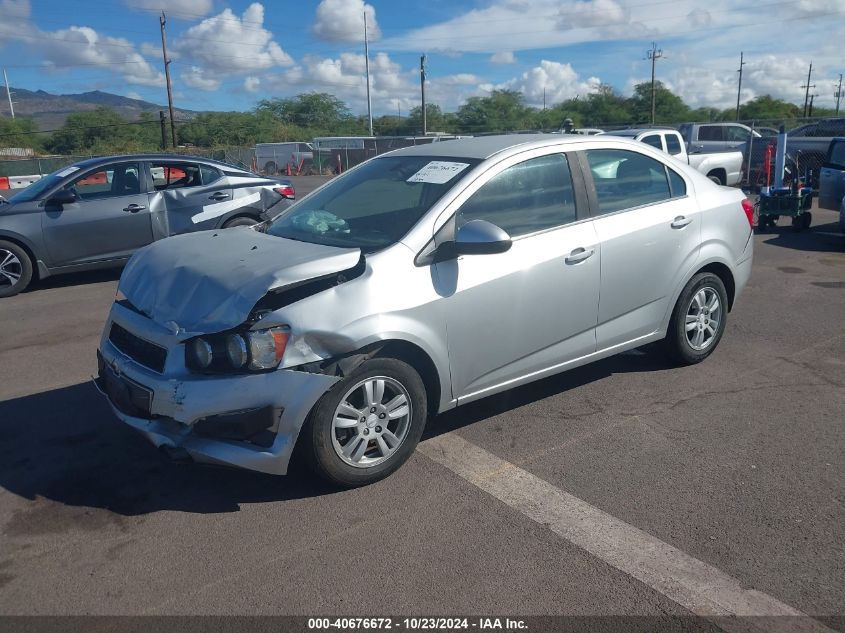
(35, 190)
(373, 206)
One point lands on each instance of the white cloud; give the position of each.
(699, 18)
(503, 57)
(134, 95)
(343, 21)
(196, 77)
(251, 84)
(461, 79)
(83, 45)
(556, 81)
(228, 44)
(592, 13)
(186, 8)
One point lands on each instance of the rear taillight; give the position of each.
(286, 191)
(748, 207)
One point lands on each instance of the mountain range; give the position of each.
(50, 111)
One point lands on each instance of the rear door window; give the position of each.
(673, 144)
(173, 175)
(837, 155)
(711, 133)
(625, 179)
(653, 140)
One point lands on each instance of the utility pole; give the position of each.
(837, 95)
(367, 63)
(422, 90)
(739, 87)
(12, 107)
(654, 54)
(544, 98)
(163, 125)
(162, 21)
(810, 113)
(807, 87)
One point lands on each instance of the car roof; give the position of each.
(482, 147)
(99, 160)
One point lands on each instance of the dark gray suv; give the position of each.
(97, 212)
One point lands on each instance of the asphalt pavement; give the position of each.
(734, 464)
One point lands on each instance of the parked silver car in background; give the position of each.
(418, 281)
(97, 212)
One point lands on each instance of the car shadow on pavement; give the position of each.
(67, 447)
(648, 358)
(823, 238)
(76, 279)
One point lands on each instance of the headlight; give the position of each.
(236, 350)
(202, 353)
(266, 347)
(221, 353)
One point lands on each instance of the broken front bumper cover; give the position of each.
(249, 421)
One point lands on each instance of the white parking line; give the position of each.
(693, 584)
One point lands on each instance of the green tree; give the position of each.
(766, 107)
(502, 111)
(102, 131)
(19, 132)
(669, 107)
(313, 110)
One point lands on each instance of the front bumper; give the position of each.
(250, 421)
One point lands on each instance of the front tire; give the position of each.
(698, 320)
(15, 269)
(367, 425)
(240, 221)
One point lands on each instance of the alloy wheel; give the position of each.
(371, 421)
(11, 268)
(704, 314)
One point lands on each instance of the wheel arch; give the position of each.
(724, 273)
(29, 250)
(244, 212)
(422, 363)
(720, 173)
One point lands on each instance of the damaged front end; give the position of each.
(191, 351)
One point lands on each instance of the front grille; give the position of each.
(143, 352)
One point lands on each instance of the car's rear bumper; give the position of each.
(250, 421)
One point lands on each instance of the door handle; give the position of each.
(579, 255)
(134, 208)
(220, 195)
(680, 222)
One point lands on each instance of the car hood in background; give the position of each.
(206, 282)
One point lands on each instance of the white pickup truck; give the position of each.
(724, 168)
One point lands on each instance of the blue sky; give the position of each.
(228, 54)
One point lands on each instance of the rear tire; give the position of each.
(15, 269)
(698, 320)
(240, 221)
(715, 179)
(367, 425)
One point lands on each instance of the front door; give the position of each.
(110, 218)
(832, 179)
(650, 232)
(513, 314)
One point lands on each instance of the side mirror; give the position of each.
(62, 196)
(476, 237)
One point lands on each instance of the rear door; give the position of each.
(650, 232)
(109, 220)
(195, 195)
(711, 138)
(832, 180)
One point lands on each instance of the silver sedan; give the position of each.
(419, 281)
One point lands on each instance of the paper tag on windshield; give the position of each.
(438, 172)
(66, 172)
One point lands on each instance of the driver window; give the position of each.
(531, 196)
(111, 181)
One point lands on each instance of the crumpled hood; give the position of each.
(209, 281)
